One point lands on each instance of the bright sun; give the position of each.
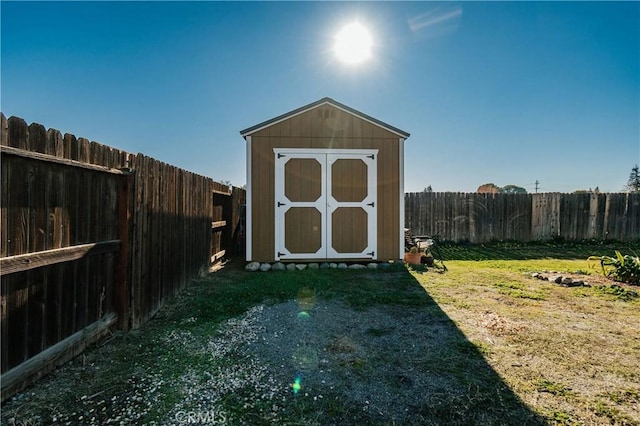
(353, 44)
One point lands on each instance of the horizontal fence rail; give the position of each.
(480, 218)
(92, 237)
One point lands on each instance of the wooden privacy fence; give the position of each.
(93, 237)
(480, 218)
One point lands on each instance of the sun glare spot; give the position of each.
(353, 44)
(296, 386)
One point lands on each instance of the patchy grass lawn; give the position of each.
(483, 343)
(571, 354)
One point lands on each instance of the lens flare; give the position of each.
(296, 385)
(303, 315)
(306, 299)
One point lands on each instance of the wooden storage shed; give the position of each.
(324, 182)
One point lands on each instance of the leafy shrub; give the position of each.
(620, 268)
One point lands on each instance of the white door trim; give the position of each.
(325, 203)
(277, 151)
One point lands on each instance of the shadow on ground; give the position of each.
(364, 347)
(454, 383)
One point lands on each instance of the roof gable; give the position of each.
(324, 101)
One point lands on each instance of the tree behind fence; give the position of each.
(480, 218)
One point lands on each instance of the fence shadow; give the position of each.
(456, 384)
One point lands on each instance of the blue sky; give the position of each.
(502, 92)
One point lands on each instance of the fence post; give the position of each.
(4, 130)
(123, 290)
(238, 198)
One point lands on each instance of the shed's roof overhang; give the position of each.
(324, 101)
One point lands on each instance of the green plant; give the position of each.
(617, 292)
(544, 385)
(518, 290)
(619, 268)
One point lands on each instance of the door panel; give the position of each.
(349, 231)
(351, 206)
(303, 179)
(300, 206)
(303, 230)
(349, 180)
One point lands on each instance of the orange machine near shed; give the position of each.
(325, 182)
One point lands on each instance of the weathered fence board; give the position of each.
(24, 262)
(58, 218)
(172, 237)
(481, 218)
(47, 360)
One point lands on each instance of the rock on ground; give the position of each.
(252, 266)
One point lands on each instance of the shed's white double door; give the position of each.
(325, 204)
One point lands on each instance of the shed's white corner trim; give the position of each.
(247, 209)
(401, 179)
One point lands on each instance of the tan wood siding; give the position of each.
(331, 130)
(388, 198)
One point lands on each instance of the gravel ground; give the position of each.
(314, 351)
